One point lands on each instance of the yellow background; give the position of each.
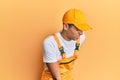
(25, 23)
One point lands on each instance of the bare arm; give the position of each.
(54, 69)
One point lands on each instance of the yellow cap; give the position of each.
(76, 17)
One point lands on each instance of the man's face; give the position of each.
(73, 33)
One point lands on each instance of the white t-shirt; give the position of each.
(51, 51)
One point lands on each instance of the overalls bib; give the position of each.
(65, 64)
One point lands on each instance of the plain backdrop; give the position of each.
(25, 23)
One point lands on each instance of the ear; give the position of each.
(65, 26)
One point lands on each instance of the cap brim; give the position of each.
(83, 27)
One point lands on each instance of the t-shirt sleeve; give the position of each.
(82, 39)
(50, 54)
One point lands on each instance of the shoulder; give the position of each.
(49, 41)
(82, 38)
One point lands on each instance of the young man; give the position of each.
(61, 49)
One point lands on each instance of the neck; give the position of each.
(64, 35)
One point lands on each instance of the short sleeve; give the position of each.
(50, 54)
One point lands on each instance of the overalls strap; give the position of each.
(61, 49)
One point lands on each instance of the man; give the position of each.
(61, 49)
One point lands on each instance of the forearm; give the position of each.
(54, 69)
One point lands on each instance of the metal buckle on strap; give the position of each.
(61, 50)
(77, 46)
